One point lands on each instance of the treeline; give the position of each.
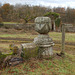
(20, 12)
(27, 13)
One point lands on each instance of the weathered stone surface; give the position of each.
(29, 50)
(43, 25)
(14, 48)
(43, 39)
(42, 45)
(45, 43)
(48, 51)
(70, 29)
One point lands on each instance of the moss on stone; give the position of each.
(3, 56)
(30, 52)
(13, 48)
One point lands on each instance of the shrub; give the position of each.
(22, 21)
(52, 15)
(57, 22)
(1, 24)
(1, 19)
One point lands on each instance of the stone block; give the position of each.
(29, 50)
(43, 25)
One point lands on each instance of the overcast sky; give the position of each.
(52, 3)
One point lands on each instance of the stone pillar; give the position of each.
(45, 43)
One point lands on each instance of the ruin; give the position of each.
(42, 43)
(45, 43)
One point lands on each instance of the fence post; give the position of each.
(63, 39)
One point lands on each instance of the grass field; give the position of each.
(69, 37)
(9, 22)
(56, 66)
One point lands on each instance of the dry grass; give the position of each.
(55, 66)
(12, 33)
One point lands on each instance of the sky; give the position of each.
(47, 3)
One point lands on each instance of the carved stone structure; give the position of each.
(29, 50)
(45, 43)
(43, 25)
(42, 45)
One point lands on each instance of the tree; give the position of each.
(70, 15)
(57, 22)
(1, 19)
(5, 10)
(53, 16)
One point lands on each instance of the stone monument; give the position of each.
(42, 44)
(45, 43)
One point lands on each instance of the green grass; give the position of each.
(14, 23)
(10, 22)
(23, 35)
(14, 41)
(62, 66)
(69, 37)
(56, 66)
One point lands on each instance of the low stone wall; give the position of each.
(28, 26)
(70, 29)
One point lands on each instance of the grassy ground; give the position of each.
(9, 22)
(70, 37)
(27, 35)
(56, 66)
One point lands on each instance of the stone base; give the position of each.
(45, 44)
(45, 50)
(48, 51)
